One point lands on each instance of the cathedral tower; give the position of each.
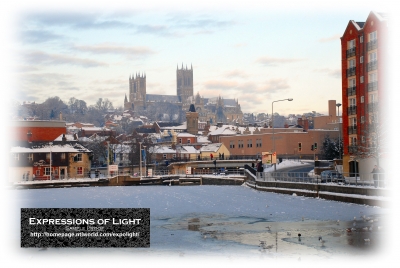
(137, 92)
(184, 83)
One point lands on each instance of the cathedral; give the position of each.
(209, 109)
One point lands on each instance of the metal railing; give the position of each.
(351, 71)
(351, 91)
(373, 65)
(359, 179)
(372, 86)
(352, 110)
(351, 52)
(373, 44)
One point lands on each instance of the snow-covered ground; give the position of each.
(221, 223)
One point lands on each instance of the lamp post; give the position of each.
(140, 162)
(108, 159)
(50, 160)
(144, 148)
(340, 151)
(273, 128)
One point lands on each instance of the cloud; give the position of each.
(268, 61)
(74, 20)
(219, 84)
(39, 57)
(335, 37)
(115, 49)
(39, 36)
(236, 73)
(273, 86)
(240, 45)
(337, 73)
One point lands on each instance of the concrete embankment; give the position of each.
(344, 193)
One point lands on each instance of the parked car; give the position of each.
(331, 176)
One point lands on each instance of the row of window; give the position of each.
(372, 37)
(249, 144)
(46, 171)
(77, 157)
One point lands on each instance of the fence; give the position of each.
(361, 179)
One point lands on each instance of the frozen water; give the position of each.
(222, 222)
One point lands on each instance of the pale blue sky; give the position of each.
(253, 52)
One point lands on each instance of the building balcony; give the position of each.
(351, 91)
(352, 129)
(373, 107)
(373, 65)
(372, 45)
(351, 71)
(373, 86)
(352, 149)
(352, 110)
(351, 52)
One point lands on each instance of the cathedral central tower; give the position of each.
(184, 83)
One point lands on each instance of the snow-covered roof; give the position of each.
(224, 130)
(213, 147)
(185, 134)
(189, 149)
(162, 150)
(202, 139)
(60, 148)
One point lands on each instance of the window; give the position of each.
(173, 155)
(352, 102)
(372, 98)
(232, 144)
(372, 36)
(47, 171)
(352, 63)
(16, 157)
(372, 57)
(38, 172)
(79, 170)
(352, 82)
(30, 157)
(47, 156)
(362, 79)
(180, 140)
(362, 119)
(299, 146)
(164, 156)
(363, 139)
(351, 43)
(62, 156)
(362, 99)
(372, 77)
(353, 141)
(249, 143)
(188, 140)
(361, 59)
(361, 39)
(78, 158)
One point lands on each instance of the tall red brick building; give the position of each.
(364, 55)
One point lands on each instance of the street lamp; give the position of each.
(144, 148)
(50, 160)
(273, 128)
(340, 151)
(140, 162)
(108, 159)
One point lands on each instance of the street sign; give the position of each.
(188, 170)
(113, 167)
(268, 158)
